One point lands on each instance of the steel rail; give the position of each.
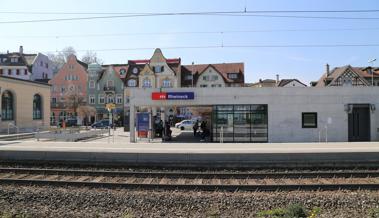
(192, 175)
(195, 187)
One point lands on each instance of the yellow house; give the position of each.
(25, 104)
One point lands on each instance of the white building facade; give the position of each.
(335, 114)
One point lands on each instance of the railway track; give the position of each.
(206, 181)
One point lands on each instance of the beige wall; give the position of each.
(210, 73)
(23, 92)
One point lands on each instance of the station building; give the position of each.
(25, 105)
(243, 114)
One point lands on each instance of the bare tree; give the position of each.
(91, 57)
(74, 100)
(60, 58)
(86, 112)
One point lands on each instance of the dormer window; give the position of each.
(132, 83)
(123, 71)
(232, 75)
(158, 69)
(14, 60)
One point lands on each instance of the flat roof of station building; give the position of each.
(248, 95)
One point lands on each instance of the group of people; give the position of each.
(163, 130)
(204, 133)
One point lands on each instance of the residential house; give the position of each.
(213, 75)
(348, 76)
(264, 83)
(104, 87)
(36, 67)
(69, 89)
(277, 83)
(291, 83)
(156, 72)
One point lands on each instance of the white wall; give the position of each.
(285, 107)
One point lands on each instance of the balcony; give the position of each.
(109, 89)
(57, 105)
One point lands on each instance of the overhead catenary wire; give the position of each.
(200, 12)
(230, 46)
(226, 13)
(187, 32)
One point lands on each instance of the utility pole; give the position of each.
(371, 70)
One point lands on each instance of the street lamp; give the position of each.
(372, 72)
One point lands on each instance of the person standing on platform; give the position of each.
(195, 128)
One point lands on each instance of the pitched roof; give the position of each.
(29, 58)
(284, 82)
(223, 69)
(338, 71)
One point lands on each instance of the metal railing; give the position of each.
(11, 124)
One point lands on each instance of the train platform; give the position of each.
(194, 154)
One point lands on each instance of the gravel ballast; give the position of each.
(35, 201)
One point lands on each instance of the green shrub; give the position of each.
(374, 213)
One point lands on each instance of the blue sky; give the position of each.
(306, 64)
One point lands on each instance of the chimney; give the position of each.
(277, 79)
(21, 49)
(327, 70)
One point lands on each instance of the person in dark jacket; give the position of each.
(195, 128)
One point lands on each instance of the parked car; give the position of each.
(101, 124)
(185, 125)
(71, 122)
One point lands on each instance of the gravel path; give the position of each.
(86, 202)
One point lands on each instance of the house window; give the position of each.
(203, 85)
(37, 107)
(41, 63)
(205, 78)
(309, 120)
(166, 83)
(14, 60)
(110, 99)
(9, 72)
(92, 99)
(214, 77)
(1, 71)
(188, 77)
(123, 71)
(110, 83)
(7, 105)
(119, 99)
(232, 75)
(18, 72)
(158, 69)
(25, 72)
(132, 83)
(146, 83)
(47, 65)
(101, 99)
(54, 100)
(91, 84)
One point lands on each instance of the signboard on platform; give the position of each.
(142, 124)
(172, 96)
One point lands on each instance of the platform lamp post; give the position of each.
(372, 72)
(192, 72)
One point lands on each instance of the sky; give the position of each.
(304, 63)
